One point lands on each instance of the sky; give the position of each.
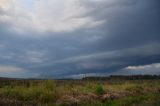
(73, 38)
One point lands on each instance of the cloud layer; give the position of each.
(68, 38)
(47, 15)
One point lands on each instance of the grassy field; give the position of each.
(79, 93)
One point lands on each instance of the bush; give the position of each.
(30, 94)
(49, 85)
(99, 90)
(9, 91)
(46, 97)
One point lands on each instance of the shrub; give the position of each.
(49, 85)
(9, 91)
(99, 89)
(47, 97)
(31, 94)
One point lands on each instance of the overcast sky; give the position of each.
(71, 38)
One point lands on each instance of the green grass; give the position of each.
(142, 100)
(81, 93)
(44, 93)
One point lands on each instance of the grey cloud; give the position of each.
(105, 62)
(129, 37)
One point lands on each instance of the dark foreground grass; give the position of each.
(142, 100)
(81, 93)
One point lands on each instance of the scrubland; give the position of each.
(80, 93)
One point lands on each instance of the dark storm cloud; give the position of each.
(130, 36)
(131, 25)
(106, 62)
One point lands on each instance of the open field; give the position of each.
(79, 92)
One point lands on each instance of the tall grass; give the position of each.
(82, 93)
(43, 93)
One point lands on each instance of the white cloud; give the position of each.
(138, 67)
(6, 69)
(142, 67)
(15, 72)
(156, 65)
(139, 70)
(47, 15)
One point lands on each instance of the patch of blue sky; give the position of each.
(28, 4)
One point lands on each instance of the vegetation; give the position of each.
(79, 92)
(99, 90)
